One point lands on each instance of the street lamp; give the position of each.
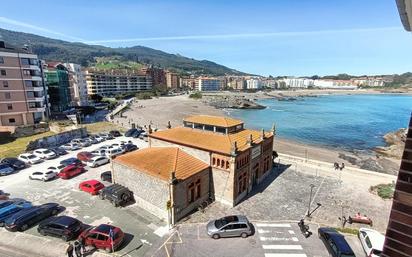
(310, 199)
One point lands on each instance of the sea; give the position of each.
(349, 122)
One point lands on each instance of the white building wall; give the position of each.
(80, 84)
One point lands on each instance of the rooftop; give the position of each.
(209, 141)
(161, 161)
(213, 120)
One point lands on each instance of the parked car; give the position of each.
(144, 136)
(99, 152)
(229, 226)
(55, 169)
(71, 147)
(64, 227)
(91, 140)
(371, 241)
(130, 132)
(59, 151)
(26, 218)
(97, 161)
(85, 156)
(106, 136)
(98, 138)
(12, 209)
(15, 163)
(43, 176)
(335, 242)
(4, 195)
(113, 152)
(104, 236)
(5, 169)
(68, 161)
(117, 194)
(91, 186)
(106, 176)
(44, 153)
(71, 171)
(129, 148)
(15, 202)
(81, 142)
(29, 158)
(106, 147)
(115, 133)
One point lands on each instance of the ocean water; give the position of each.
(350, 122)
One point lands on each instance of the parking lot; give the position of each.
(137, 224)
(271, 239)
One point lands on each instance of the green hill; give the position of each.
(59, 50)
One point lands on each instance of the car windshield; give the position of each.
(47, 151)
(31, 156)
(223, 221)
(49, 172)
(3, 166)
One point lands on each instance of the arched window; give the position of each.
(227, 164)
(214, 161)
(222, 164)
(218, 162)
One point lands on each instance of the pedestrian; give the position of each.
(69, 250)
(336, 165)
(342, 167)
(77, 249)
(82, 242)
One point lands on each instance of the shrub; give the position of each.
(196, 95)
(353, 231)
(385, 191)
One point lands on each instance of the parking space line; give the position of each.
(262, 238)
(291, 232)
(295, 239)
(282, 247)
(273, 225)
(285, 255)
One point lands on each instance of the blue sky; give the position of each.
(298, 37)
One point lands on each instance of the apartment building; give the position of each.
(158, 76)
(370, 82)
(236, 83)
(298, 82)
(117, 82)
(59, 88)
(209, 84)
(78, 84)
(172, 80)
(253, 84)
(334, 84)
(22, 88)
(192, 83)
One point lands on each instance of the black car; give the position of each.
(130, 132)
(59, 151)
(26, 218)
(117, 194)
(15, 163)
(115, 133)
(129, 147)
(64, 227)
(106, 176)
(335, 243)
(68, 161)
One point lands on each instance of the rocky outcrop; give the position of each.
(233, 102)
(395, 144)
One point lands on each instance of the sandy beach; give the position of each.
(159, 111)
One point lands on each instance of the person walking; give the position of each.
(82, 242)
(342, 167)
(77, 249)
(69, 250)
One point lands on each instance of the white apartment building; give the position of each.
(253, 84)
(370, 82)
(108, 84)
(78, 84)
(298, 82)
(210, 84)
(334, 84)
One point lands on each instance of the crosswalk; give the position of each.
(279, 240)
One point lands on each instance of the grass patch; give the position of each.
(196, 95)
(12, 147)
(385, 191)
(103, 126)
(353, 231)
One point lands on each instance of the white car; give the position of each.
(98, 138)
(56, 169)
(113, 152)
(29, 158)
(371, 241)
(43, 176)
(71, 147)
(105, 147)
(44, 153)
(99, 152)
(97, 161)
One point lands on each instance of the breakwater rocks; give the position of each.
(395, 144)
(233, 102)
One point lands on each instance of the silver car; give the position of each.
(230, 226)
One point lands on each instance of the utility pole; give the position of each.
(310, 199)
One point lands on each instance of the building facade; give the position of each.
(191, 83)
(22, 89)
(78, 84)
(398, 241)
(209, 84)
(254, 84)
(172, 80)
(60, 92)
(112, 83)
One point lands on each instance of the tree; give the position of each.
(96, 98)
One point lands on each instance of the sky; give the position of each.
(278, 37)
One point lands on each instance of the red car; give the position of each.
(91, 186)
(71, 171)
(104, 236)
(84, 156)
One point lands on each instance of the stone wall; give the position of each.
(223, 186)
(56, 140)
(150, 193)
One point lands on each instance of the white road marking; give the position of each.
(282, 247)
(291, 232)
(273, 225)
(262, 231)
(263, 238)
(295, 239)
(285, 255)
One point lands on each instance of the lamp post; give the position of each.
(310, 199)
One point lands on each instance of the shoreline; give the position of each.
(158, 111)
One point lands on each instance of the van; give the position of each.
(113, 152)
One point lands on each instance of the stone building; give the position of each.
(208, 157)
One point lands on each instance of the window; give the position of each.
(3, 72)
(32, 105)
(198, 189)
(218, 162)
(26, 72)
(7, 95)
(9, 107)
(102, 237)
(214, 161)
(1, 60)
(25, 61)
(368, 242)
(227, 164)
(30, 94)
(5, 83)
(28, 83)
(12, 120)
(191, 193)
(242, 183)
